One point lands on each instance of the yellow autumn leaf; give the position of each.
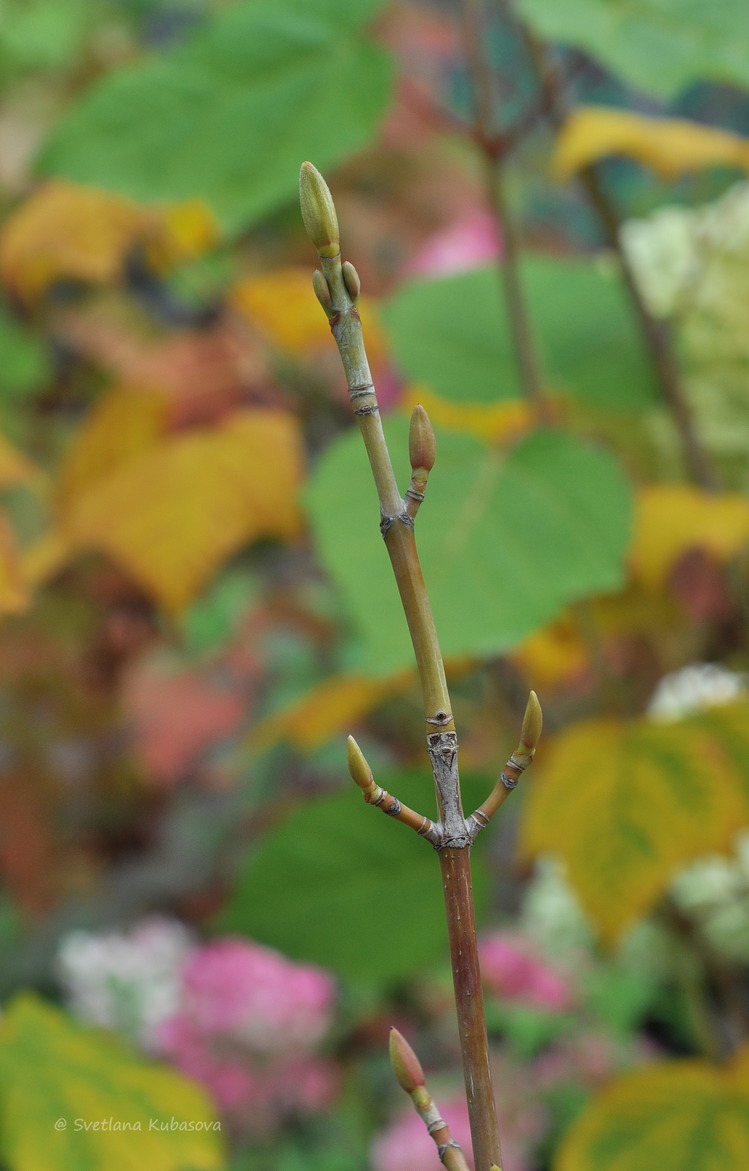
(625, 804)
(554, 654)
(670, 1116)
(70, 231)
(499, 422)
(670, 519)
(669, 146)
(57, 1075)
(282, 307)
(119, 428)
(333, 706)
(14, 595)
(174, 514)
(44, 557)
(15, 467)
(178, 232)
(66, 230)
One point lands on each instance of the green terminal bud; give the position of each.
(533, 722)
(351, 280)
(422, 446)
(405, 1063)
(360, 771)
(318, 211)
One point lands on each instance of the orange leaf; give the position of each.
(173, 515)
(674, 518)
(177, 713)
(669, 146)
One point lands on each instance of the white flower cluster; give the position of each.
(692, 266)
(129, 982)
(697, 686)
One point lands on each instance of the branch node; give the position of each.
(387, 522)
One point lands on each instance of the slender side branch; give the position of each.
(410, 1077)
(374, 794)
(530, 734)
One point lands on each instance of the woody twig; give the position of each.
(336, 286)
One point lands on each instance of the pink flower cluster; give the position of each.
(406, 1146)
(512, 972)
(248, 1025)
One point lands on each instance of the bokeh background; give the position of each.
(205, 934)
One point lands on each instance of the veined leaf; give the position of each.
(657, 45)
(174, 514)
(316, 885)
(54, 1072)
(506, 540)
(669, 146)
(228, 115)
(452, 334)
(671, 519)
(626, 804)
(673, 1116)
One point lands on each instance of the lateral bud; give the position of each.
(422, 446)
(318, 211)
(361, 773)
(405, 1063)
(351, 280)
(322, 292)
(530, 732)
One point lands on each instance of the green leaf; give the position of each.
(506, 540)
(672, 1116)
(452, 334)
(57, 1076)
(340, 884)
(42, 34)
(230, 115)
(656, 45)
(23, 362)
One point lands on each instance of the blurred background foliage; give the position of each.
(204, 935)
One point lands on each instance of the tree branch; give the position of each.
(337, 288)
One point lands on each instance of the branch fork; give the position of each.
(336, 286)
